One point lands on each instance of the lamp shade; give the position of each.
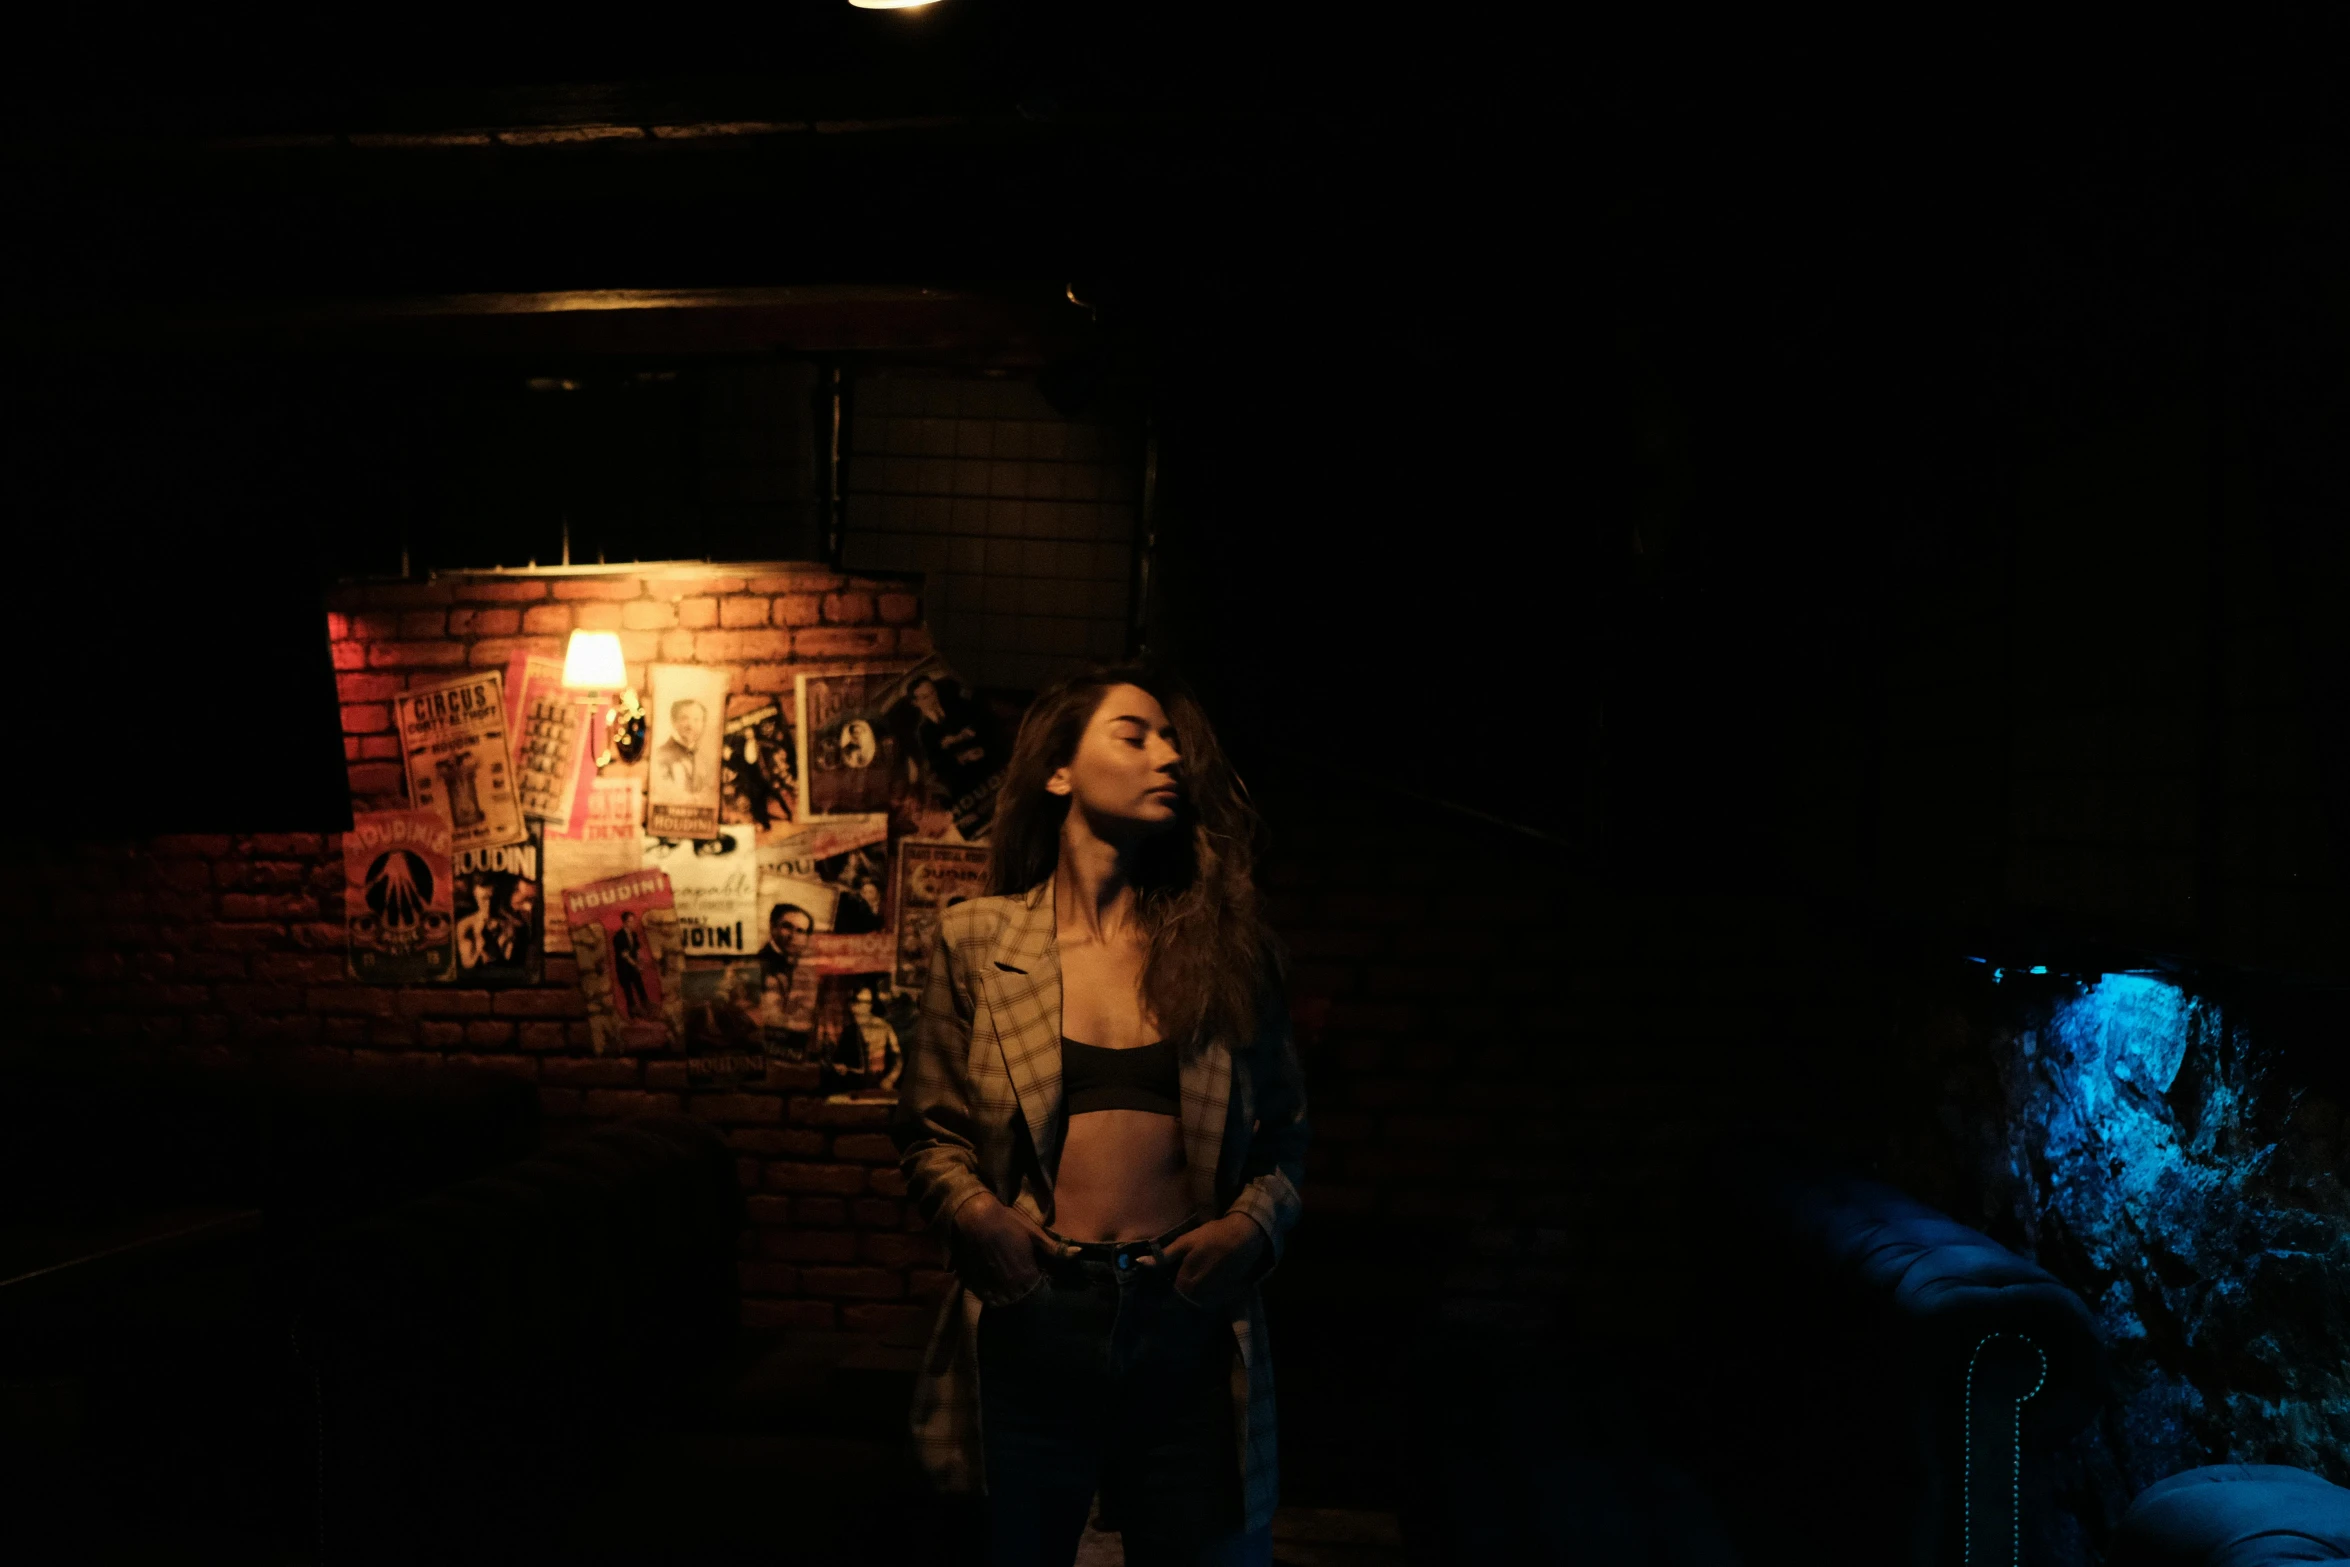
(593, 663)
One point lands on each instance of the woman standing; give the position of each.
(1104, 1117)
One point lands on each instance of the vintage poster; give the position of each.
(398, 912)
(955, 744)
(453, 741)
(759, 780)
(726, 1038)
(932, 878)
(608, 844)
(856, 1041)
(849, 754)
(631, 966)
(689, 711)
(500, 913)
(547, 728)
(835, 871)
(716, 884)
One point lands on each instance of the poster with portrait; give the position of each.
(453, 744)
(398, 913)
(759, 779)
(954, 745)
(725, 1035)
(931, 878)
(716, 884)
(499, 904)
(631, 966)
(547, 728)
(611, 826)
(836, 871)
(683, 752)
(856, 1040)
(849, 753)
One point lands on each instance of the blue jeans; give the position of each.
(1103, 1377)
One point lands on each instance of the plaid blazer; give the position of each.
(979, 1109)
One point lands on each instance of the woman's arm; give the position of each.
(932, 1125)
(1275, 1166)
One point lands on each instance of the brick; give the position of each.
(441, 1036)
(741, 647)
(580, 589)
(419, 624)
(487, 1033)
(811, 1314)
(378, 748)
(862, 1283)
(843, 641)
(338, 626)
(547, 619)
(798, 609)
(865, 1148)
(509, 591)
(350, 655)
(790, 1245)
(847, 1112)
(484, 622)
(646, 616)
(697, 614)
(848, 609)
(431, 1001)
(668, 1076)
(887, 1181)
(765, 1211)
(676, 646)
(559, 1101)
(368, 688)
(770, 677)
(837, 1180)
(899, 1250)
(504, 1065)
(914, 642)
(415, 655)
(898, 609)
(366, 718)
(544, 1037)
(775, 1142)
(819, 1210)
(737, 1107)
(878, 1213)
(596, 617)
(642, 647)
(739, 612)
(349, 1001)
(540, 1003)
(376, 628)
(496, 652)
(268, 906)
(404, 595)
(615, 1102)
(895, 1320)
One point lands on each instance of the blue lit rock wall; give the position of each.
(2145, 1146)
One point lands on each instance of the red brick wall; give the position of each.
(235, 943)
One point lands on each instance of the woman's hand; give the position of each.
(1000, 1251)
(1212, 1263)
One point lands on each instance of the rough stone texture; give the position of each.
(2149, 1147)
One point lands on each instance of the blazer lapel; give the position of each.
(1207, 1087)
(1024, 985)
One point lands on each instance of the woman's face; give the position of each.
(1126, 775)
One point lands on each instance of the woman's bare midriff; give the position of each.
(1121, 1177)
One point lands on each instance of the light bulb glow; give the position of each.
(889, 5)
(592, 662)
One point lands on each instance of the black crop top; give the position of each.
(1145, 1078)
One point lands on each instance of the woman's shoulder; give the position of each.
(978, 919)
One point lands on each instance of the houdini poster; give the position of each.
(631, 967)
(548, 731)
(932, 878)
(716, 884)
(759, 781)
(689, 713)
(848, 748)
(398, 912)
(453, 743)
(607, 845)
(500, 912)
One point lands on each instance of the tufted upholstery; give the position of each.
(2236, 1515)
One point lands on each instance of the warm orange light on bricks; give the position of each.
(592, 662)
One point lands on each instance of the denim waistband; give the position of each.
(1121, 1255)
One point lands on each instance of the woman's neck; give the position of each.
(1093, 893)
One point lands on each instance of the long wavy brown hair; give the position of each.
(1209, 956)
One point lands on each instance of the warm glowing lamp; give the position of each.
(889, 5)
(593, 662)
